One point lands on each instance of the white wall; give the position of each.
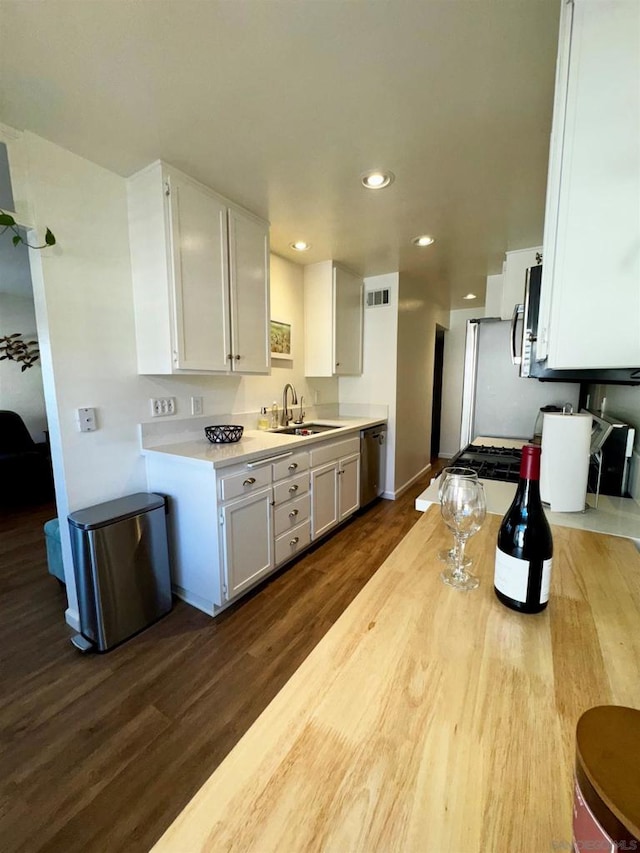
(417, 320)
(84, 310)
(377, 385)
(454, 343)
(21, 391)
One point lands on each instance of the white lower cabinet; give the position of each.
(348, 486)
(324, 498)
(247, 541)
(335, 484)
(230, 528)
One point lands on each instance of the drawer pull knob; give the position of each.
(249, 481)
(293, 466)
(293, 488)
(294, 541)
(293, 513)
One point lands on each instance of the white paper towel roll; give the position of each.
(564, 463)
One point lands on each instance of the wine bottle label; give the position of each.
(512, 577)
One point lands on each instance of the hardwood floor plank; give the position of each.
(101, 752)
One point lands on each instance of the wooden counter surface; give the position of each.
(429, 719)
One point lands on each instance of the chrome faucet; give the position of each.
(287, 414)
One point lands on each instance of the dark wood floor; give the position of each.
(101, 752)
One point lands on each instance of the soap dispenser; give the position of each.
(263, 419)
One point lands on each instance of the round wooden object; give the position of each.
(608, 769)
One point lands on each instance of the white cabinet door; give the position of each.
(247, 541)
(324, 499)
(591, 271)
(333, 321)
(199, 253)
(349, 485)
(249, 289)
(347, 296)
(200, 277)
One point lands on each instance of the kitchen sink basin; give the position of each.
(304, 429)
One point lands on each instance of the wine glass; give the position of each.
(463, 508)
(447, 555)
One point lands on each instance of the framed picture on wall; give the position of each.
(281, 340)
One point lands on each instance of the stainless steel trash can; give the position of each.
(121, 567)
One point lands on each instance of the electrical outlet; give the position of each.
(86, 420)
(196, 406)
(162, 406)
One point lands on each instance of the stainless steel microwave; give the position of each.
(524, 328)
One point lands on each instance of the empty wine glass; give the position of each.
(463, 508)
(447, 555)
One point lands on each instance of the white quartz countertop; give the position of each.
(616, 516)
(255, 443)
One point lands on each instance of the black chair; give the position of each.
(25, 467)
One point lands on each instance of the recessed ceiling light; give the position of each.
(300, 246)
(377, 179)
(423, 240)
(470, 296)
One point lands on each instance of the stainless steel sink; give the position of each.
(304, 429)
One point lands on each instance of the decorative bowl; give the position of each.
(224, 434)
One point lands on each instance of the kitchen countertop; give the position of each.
(614, 516)
(429, 719)
(256, 443)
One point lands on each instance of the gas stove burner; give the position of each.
(490, 462)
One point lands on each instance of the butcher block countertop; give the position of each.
(429, 719)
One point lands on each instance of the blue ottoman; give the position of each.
(54, 548)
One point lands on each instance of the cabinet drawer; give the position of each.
(244, 482)
(291, 466)
(291, 514)
(292, 542)
(335, 450)
(293, 488)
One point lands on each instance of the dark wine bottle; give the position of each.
(525, 547)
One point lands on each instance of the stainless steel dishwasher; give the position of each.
(373, 457)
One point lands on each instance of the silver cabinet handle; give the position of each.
(517, 312)
(293, 513)
(293, 488)
(249, 481)
(293, 466)
(294, 541)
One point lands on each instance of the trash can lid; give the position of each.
(116, 510)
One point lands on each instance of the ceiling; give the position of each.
(281, 105)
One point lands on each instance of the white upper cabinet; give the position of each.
(249, 288)
(590, 313)
(200, 275)
(333, 321)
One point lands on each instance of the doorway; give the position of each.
(436, 406)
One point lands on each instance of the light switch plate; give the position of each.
(86, 419)
(197, 406)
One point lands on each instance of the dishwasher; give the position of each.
(373, 456)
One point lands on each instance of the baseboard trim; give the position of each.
(399, 492)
